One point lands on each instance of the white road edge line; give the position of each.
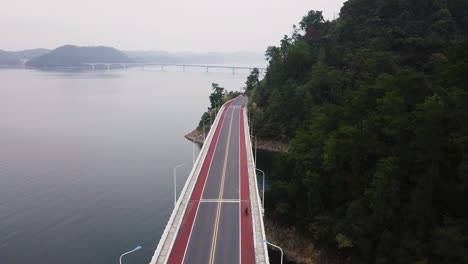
(240, 205)
(204, 184)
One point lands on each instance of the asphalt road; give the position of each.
(215, 233)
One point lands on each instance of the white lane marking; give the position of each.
(208, 174)
(220, 201)
(221, 192)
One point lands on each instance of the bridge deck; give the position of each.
(128, 64)
(215, 227)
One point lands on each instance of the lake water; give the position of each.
(86, 159)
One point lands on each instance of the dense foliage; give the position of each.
(217, 98)
(375, 106)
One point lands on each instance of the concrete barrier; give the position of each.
(261, 249)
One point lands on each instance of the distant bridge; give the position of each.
(108, 65)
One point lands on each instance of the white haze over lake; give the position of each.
(178, 25)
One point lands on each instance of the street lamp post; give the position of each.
(128, 252)
(275, 247)
(175, 182)
(263, 189)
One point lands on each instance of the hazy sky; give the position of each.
(172, 25)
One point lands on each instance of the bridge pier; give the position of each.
(108, 67)
(233, 71)
(93, 67)
(206, 69)
(162, 68)
(183, 68)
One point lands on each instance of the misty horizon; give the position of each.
(180, 26)
(148, 50)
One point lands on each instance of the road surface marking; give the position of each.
(220, 201)
(221, 191)
(240, 205)
(222, 119)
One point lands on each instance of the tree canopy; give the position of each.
(217, 98)
(374, 105)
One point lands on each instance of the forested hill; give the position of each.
(70, 55)
(375, 106)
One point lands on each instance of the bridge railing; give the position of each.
(261, 250)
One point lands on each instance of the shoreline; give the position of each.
(266, 145)
(298, 248)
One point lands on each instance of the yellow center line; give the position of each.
(221, 191)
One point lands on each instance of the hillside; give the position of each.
(8, 58)
(14, 58)
(31, 53)
(374, 105)
(68, 55)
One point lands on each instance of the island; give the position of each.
(76, 56)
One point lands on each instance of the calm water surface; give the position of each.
(86, 160)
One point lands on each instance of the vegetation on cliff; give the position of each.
(374, 105)
(217, 98)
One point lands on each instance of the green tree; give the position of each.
(217, 96)
(252, 80)
(374, 107)
(312, 19)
